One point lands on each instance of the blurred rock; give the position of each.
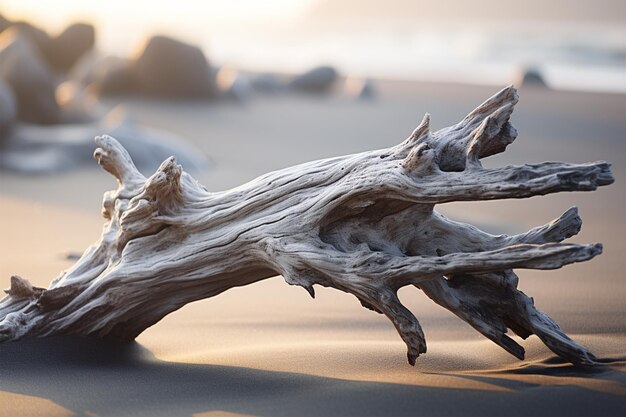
(78, 104)
(39, 38)
(42, 150)
(117, 80)
(4, 23)
(8, 108)
(267, 83)
(231, 84)
(532, 77)
(83, 72)
(108, 75)
(170, 68)
(360, 89)
(317, 80)
(27, 73)
(164, 68)
(66, 49)
(149, 147)
(61, 52)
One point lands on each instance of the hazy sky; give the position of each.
(390, 38)
(187, 17)
(221, 13)
(57, 13)
(491, 10)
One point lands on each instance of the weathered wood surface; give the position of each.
(362, 223)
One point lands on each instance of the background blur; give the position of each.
(237, 88)
(577, 44)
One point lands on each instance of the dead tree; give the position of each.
(362, 223)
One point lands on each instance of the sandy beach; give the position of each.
(268, 349)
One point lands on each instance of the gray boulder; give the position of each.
(116, 80)
(105, 75)
(267, 83)
(8, 108)
(4, 23)
(532, 77)
(172, 69)
(38, 37)
(29, 76)
(360, 89)
(66, 49)
(43, 150)
(317, 80)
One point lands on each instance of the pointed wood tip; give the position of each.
(310, 290)
(420, 131)
(507, 97)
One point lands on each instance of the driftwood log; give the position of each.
(362, 223)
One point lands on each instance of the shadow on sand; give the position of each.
(90, 377)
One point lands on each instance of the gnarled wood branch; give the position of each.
(362, 223)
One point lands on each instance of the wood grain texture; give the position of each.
(364, 224)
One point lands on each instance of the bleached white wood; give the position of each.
(362, 223)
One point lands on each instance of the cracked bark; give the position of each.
(364, 224)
